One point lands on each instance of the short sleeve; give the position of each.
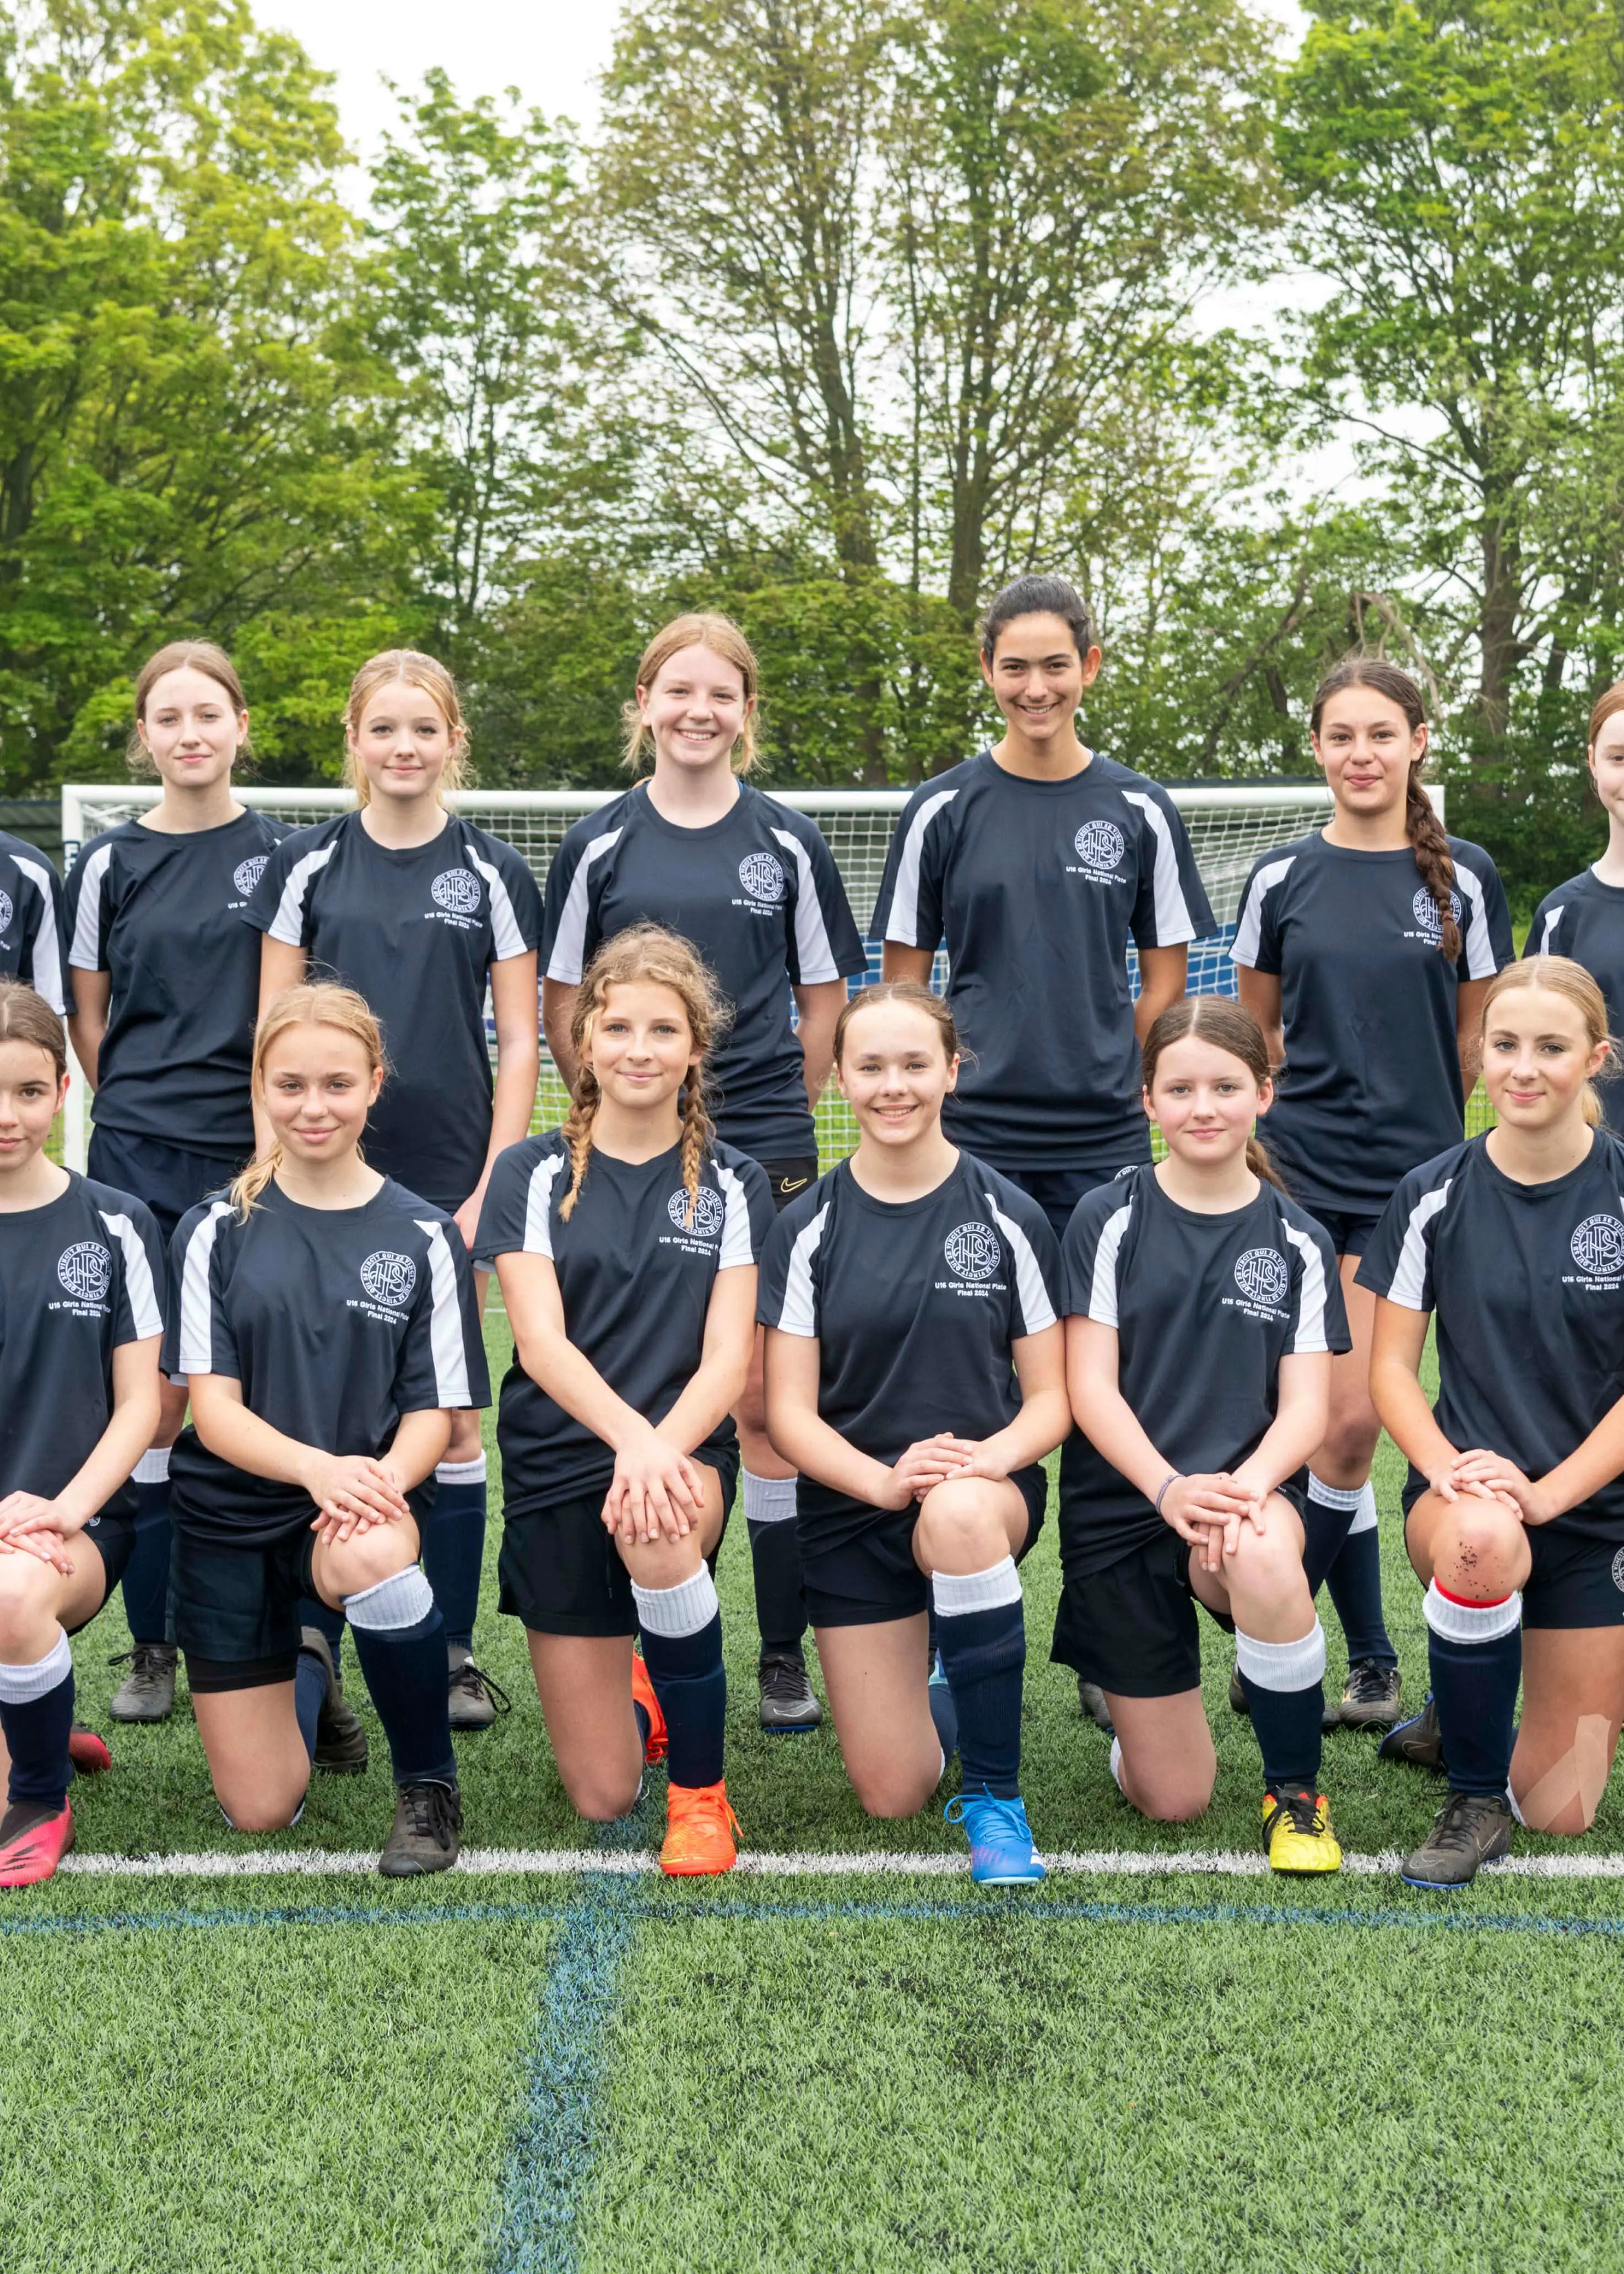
(198, 1337)
(89, 907)
(570, 933)
(1257, 933)
(909, 907)
(1089, 1253)
(280, 903)
(823, 943)
(43, 962)
(1170, 907)
(747, 1213)
(1486, 944)
(140, 1307)
(1398, 1262)
(1545, 934)
(787, 1295)
(441, 1364)
(515, 900)
(1319, 1316)
(1034, 1255)
(515, 1217)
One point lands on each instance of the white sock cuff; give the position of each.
(1283, 1666)
(768, 1499)
(1116, 1766)
(462, 1472)
(677, 1611)
(153, 1468)
(22, 1685)
(955, 1592)
(1365, 1519)
(1511, 1801)
(1470, 1623)
(1332, 1495)
(403, 1600)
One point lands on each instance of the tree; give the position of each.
(191, 434)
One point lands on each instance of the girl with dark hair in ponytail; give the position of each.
(1203, 1309)
(1364, 951)
(626, 1243)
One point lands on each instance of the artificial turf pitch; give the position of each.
(604, 2070)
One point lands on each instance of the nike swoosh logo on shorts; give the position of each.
(791, 1183)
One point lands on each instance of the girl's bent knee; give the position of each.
(600, 1803)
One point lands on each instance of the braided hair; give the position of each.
(645, 955)
(1421, 825)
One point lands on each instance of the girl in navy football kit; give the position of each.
(418, 910)
(1584, 918)
(32, 940)
(1363, 951)
(324, 1319)
(1513, 1246)
(81, 1267)
(1202, 1310)
(165, 986)
(915, 1377)
(626, 1243)
(754, 885)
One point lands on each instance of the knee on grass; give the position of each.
(598, 1796)
(260, 1810)
(1168, 1795)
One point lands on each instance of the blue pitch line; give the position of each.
(550, 2162)
(598, 1925)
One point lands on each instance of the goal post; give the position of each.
(1230, 823)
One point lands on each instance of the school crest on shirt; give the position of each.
(247, 873)
(971, 1251)
(6, 912)
(762, 877)
(708, 1212)
(389, 1278)
(1618, 1570)
(86, 1270)
(1100, 846)
(1261, 1276)
(456, 891)
(1597, 1246)
(1423, 907)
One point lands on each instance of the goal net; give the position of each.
(1231, 825)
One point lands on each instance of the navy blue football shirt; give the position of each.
(33, 943)
(1585, 918)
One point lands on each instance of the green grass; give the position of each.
(1164, 2072)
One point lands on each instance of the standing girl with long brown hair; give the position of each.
(326, 1326)
(165, 986)
(626, 1243)
(420, 912)
(1203, 1311)
(1363, 951)
(754, 885)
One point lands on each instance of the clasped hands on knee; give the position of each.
(1210, 1511)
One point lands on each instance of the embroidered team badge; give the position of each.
(1618, 1570)
(762, 877)
(389, 1278)
(1423, 907)
(1100, 846)
(971, 1251)
(1261, 1274)
(86, 1270)
(708, 1212)
(1597, 1246)
(456, 891)
(247, 873)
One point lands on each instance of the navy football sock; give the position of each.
(984, 1645)
(775, 1561)
(1355, 1584)
(1476, 1654)
(146, 1581)
(310, 1695)
(1285, 1690)
(400, 1639)
(1327, 1520)
(36, 1714)
(453, 1546)
(681, 1630)
(314, 1612)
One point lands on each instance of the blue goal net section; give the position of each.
(1231, 825)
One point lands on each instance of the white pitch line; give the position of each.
(498, 1863)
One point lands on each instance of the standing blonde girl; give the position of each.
(754, 885)
(419, 911)
(1584, 918)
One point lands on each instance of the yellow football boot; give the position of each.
(1296, 1824)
